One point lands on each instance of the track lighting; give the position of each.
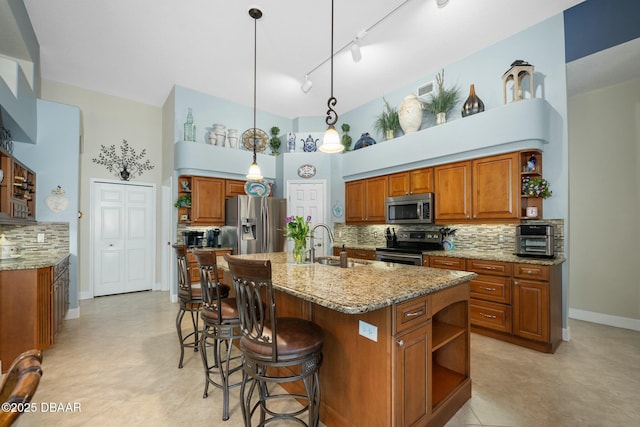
(306, 85)
(356, 55)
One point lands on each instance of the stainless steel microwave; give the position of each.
(413, 209)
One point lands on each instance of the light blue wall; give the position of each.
(55, 157)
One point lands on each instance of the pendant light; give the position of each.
(254, 170)
(331, 140)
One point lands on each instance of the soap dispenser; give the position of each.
(343, 257)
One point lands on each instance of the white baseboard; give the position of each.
(605, 319)
(86, 295)
(73, 313)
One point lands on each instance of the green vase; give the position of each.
(299, 250)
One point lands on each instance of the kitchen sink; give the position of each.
(334, 262)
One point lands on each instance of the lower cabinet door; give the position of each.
(412, 376)
(490, 315)
(531, 309)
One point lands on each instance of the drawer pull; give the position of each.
(489, 267)
(400, 343)
(529, 272)
(447, 263)
(413, 314)
(487, 289)
(489, 316)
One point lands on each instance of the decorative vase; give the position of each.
(388, 134)
(441, 118)
(410, 113)
(189, 128)
(448, 244)
(299, 250)
(473, 104)
(291, 142)
(364, 141)
(232, 138)
(124, 174)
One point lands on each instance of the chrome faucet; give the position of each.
(312, 251)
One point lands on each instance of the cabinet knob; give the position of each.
(516, 283)
(400, 343)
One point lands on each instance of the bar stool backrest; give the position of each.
(184, 277)
(20, 384)
(256, 306)
(209, 280)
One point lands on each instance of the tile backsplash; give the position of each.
(56, 236)
(479, 237)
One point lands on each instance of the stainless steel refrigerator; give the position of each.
(254, 225)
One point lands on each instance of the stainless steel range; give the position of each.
(406, 247)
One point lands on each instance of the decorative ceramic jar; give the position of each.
(219, 131)
(189, 127)
(410, 113)
(473, 104)
(291, 142)
(441, 118)
(364, 141)
(232, 138)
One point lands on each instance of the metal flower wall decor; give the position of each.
(125, 166)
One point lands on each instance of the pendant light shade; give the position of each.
(254, 170)
(331, 140)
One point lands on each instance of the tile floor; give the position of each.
(119, 362)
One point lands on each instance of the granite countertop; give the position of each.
(368, 286)
(30, 260)
(471, 254)
(497, 256)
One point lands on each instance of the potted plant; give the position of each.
(346, 138)
(387, 122)
(443, 101)
(535, 187)
(274, 142)
(184, 200)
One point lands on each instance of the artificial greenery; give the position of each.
(184, 200)
(346, 138)
(535, 187)
(444, 100)
(274, 142)
(125, 166)
(387, 120)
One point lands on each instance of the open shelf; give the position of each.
(444, 381)
(443, 333)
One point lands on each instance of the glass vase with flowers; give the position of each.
(298, 230)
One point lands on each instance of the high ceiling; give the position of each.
(138, 49)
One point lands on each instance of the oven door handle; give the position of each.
(401, 256)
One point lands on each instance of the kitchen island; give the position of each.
(396, 338)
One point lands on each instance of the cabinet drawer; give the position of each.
(491, 288)
(361, 253)
(446, 262)
(490, 315)
(411, 313)
(531, 271)
(494, 268)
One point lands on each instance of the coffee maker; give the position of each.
(213, 237)
(193, 239)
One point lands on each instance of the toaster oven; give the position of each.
(535, 240)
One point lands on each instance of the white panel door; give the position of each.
(123, 238)
(307, 198)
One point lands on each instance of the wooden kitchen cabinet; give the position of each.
(365, 201)
(496, 187)
(369, 254)
(207, 207)
(537, 304)
(17, 191)
(418, 181)
(527, 201)
(519, 303)
(452, 184)
(233, 187)
(33, 303)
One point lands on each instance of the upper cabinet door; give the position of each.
(398, 184)
(421, 181)
(495, 187)
(453, 191)
(354, 202)
(375, 194)
(208, 201)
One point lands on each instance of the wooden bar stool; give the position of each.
(220, 324)
(19, 385)
(276, 350)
